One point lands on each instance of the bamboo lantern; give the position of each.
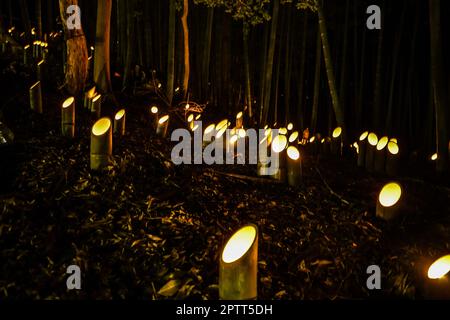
(36, 97)
(163, 125)
(294, 167)
(380, 155)
(197, 117)
(96, 106)
(40, 70)
(336, 142)
(208, 134)
(437, 286)
(313, 146)
(293, 138)
(88, 96)
(372, 140)
(362, 144)
(434, 157)
(325, 144)
(154, 116)
(290, 126)
(388, 204)
(68, 118)
(119, 122)
(101, 144)
(263, 157)
(283, 131)
(279, 145)
(26, 54)
(239, 120)
(392, 159)
(239, 266)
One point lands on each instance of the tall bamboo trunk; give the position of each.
(77, 55)
(207, 54)
(26, 18)
(50, 17)
(248, 87)
(342, 81)
(187, 66)
(102, 73)
(171, 51)
(377, 89)
(38, 4)
(301, 98)
(130, 6)
(287, 68)
(315, 106)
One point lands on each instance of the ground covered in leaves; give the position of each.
(147, 229)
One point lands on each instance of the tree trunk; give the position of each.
(50, 16)
(441, 100)
(377, 90)
(287, 68)
(26, 18)
(315, 107)
(187, 67)
(102, 73)
(329, 68)
(77, 55)
(39, 18)
(301, 98)
(207, 54)
(248, 87)
(171, 51)
(130, 6)
(342, 81)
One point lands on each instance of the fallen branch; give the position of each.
(331, 190)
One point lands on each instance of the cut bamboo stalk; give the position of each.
(154, 116)
(68, 118)
(96, 106)
(88, 96)
(163, 125)
(239, 266)
(437, 281)
(380, 155)
(336, 142)
(239, 120)
(263, 156)
(372, 140)
(119, 122)
(294, 167)
(208, 135)
(101, 144)
(40, 70)
(362, 147)
(279, 146)
(325, 146)
(389, 204)
(36, 97)
(392, 159)
(26, 55)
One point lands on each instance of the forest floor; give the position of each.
(147, 229)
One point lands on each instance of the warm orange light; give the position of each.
(434, 157)
(187, 106)
(312, 139)
(393, 148)
(382, 143)
(210, 129)
(373, 139)
(439, 268)
(68, 102)
(293, 153)
(163, 119)
(239, 115)
(268, 132)
(290, 126)
(363, 136)
(96, 98)
(221, 132)
(239, 243)
(198, 117)
(222, 124)
(101, 126)
(154, 109)
(394, 140)
(242, 133)
(195, 127)
(390, 194)
(337, 132)
(190, 118)
(283, 131)
(356, 146)
(233, 139)
(119, 114)
(293, 136)
(279, 143)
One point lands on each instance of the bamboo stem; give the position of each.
(101, 144)
(68, 118)
(36, 97)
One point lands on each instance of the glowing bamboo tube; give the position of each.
(437, 284)
(163, 125)
(294, 167)
(392, 159)
(372, 140)
(68, 118)
(380, 155)
(239, 266)
(154, 116)
(26, 54)
(119, 122)
(325, 145)
(88, 96)
(96, 105)
(362, 144)
(388, 203)
(336, 142)
(290, 126)
(293, 138)
(40, 70)
(36, 97)
(313, 146)
(264, 153)
(101, 144)
(279, 145)
(239, 120)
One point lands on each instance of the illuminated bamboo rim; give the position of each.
(439, 268)
(198, 117)
(40, 62)
(187, 106)
(27, 47)
(279, 143)
(154, 110)
(268, 132)
(382, 143)
(95, 99)
(195, 128)
(373, 139)
(220, 133)
(119, 115)
(239, 115)
(393, 148)
(222, 124)
(239, 243)
(209, 129)
(283, 131)
(163, 119)
(293, 136)
(394, 140)
(35, 85)
(91, 93)
(266, 127)
(363, 136)
(293, 153)
(263, 140)
(390, 194)
(290, 126)
(190, 118)
(434, 157)
(101, 127)
(337, 132)
(356, 146)
(242, 133)
(68, 102)
(234, 138)
(323, 140)
(312, 139)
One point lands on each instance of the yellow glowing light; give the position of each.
(293, 153)
(68, 102)
(221, 132)
(337, 132)
(439, 268)
(390, 194)
(101, 126)
(283, 131)
(210, 129)
(242, 133)
(198, 117)
(268, 132)
(190, 118)
(263, 140)
(322, 141)
(239, 115)
(239, 244)
(393, 148)
(382, 143)
(373, 139)
(120, 114)
(293, 136)
(92, 48)
(222, 124)
(154, 109)
(266, 127)
(163, 119)
(187, 106)
(312, 139)
(233, 139)
(394, 140)
(40, 62)
(434, 157)
(96, 98)
(356, 146)
(279, 143)
(290, 126)
(195, 127)
(27, 47)
(177, 89)
(363, 136)
(159, 85)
